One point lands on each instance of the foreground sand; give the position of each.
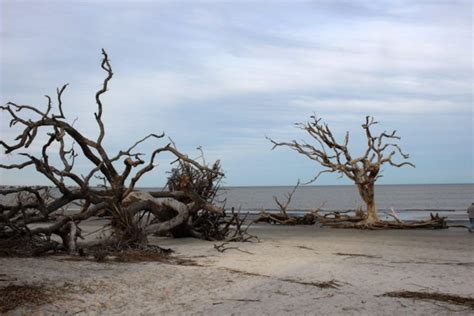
(435, 261)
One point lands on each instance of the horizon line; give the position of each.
(270, 186)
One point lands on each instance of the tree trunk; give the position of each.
(69, 237)
(372, 215)
(368, 196)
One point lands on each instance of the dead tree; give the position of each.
(283, 218)
(202, 223)
(335, 157)
(120, 174)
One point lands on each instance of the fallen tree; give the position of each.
(283, 218)
(35, 216)
(347, 221)
(364, 171)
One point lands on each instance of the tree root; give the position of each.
(145, 253)
(331, 284)
(434, 296)
(222, 248)
(431, 262)
(25, 246)
(284, 219)
(356, 255)
(436, 222)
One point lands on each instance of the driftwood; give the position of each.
(307, 219)
(364, 170)
(335, 157)
(341, 219)
(434, 296)
(283, 218)
(208, 223)
(189, 194)
(331, 284)
(435, 222)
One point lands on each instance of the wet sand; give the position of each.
(280, 275)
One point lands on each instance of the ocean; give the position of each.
(410, 201)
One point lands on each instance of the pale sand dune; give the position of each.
(435, 261)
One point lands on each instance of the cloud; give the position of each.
(223, 75)
(383, 106)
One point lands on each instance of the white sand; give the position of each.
(435, 261)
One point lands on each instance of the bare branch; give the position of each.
(59, 93)
(284, 206)
(191, 205)
(364, 170)
(98, 115)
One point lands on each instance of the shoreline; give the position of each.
(424, 198)
(452, 216)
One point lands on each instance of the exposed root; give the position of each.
(356, 255)
(222, 248)
(306, 248)
(33, 211)
(241, 300)
(436, 222)
(236, 230)
(434, 296)
(140, 256)
(468, 264)
(148, 253)
(28, 246)
(331, 284)
(284, 219)
(247, 273)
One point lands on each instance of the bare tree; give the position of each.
(335, 157)
(119, 174)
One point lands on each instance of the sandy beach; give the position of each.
(128, 125)
(291, 271)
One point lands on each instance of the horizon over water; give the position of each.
(411, 201)
(339, 197)
(449, 200)
(339, 185)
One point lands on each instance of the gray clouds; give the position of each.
(224, 74)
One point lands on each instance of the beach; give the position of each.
(292, 270)
(236, 158)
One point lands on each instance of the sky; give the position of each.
(224, 74)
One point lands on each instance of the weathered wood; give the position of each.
(116, 197)
(283, 218)
(335, 157)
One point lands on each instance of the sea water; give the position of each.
(409, 201)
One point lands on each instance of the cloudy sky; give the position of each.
(224, 74)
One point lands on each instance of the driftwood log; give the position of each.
(334, 156)
(357, 221)
(33, 214)
(341, 219)
(283, 218)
